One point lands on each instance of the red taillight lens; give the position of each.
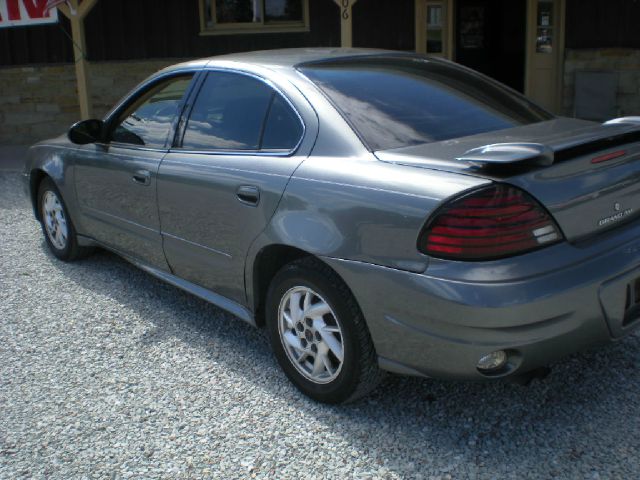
(494, 222)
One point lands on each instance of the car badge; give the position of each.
(619, 215)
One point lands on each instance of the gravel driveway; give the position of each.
(106, 372)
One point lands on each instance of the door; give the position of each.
(219, 187)
(545, 49)
(491, 38)
(433, 27)
(116, 181)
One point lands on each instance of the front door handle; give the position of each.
(142, 177)
(248, 194)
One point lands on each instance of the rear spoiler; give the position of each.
(509, 153)
(633, 121)
(542, 155)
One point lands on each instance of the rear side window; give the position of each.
(395, 102)
(283, 129)
(239, 112)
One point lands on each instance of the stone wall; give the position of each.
(39, 102)
(624, 62)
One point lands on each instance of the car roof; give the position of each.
(289, 57)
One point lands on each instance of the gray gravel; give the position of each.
(106, 372)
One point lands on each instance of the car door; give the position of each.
(220, 185)
(116, 181)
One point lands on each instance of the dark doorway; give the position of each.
(491, 38)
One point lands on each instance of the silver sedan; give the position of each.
(375, 211)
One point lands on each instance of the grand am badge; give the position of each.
(616, 217)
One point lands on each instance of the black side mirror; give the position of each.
(86, 131)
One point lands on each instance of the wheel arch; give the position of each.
(267, 262)
(35, 179)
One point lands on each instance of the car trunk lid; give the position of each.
(586, 174)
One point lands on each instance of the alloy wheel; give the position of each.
(311, 334)
(55, 221)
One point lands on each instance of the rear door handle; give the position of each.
(142, 177)
(248, 194)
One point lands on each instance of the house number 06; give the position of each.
(345, 8)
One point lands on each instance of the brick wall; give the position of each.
(624, 62)
(38, 102)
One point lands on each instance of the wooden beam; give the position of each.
(85, 7)
(82, 70)
(346, 26)
(76, 14)
(65, 10)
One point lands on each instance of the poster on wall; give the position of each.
(18, 13)
(472, 27)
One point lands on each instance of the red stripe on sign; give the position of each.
(35, 8)
(608, 156)
(13, 9)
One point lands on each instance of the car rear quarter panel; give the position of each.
(343, 202)
(362, 209)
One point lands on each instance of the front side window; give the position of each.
(400, 101)
(149, 119)
(247, 16)
(239, 112)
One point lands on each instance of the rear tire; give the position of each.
(319, 335)
(58, 229)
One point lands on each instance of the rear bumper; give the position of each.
(538, 307)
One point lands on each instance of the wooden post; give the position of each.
(346, 26)
(449, 50)
(420, 14)
(76, 15)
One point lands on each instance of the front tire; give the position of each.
(319, 335)
(57, 226)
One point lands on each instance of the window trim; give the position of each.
(242, 28)
(186, 115)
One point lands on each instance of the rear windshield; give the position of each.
(395, 102)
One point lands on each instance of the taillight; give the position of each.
(493, 222)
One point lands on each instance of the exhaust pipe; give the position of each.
(526, 378)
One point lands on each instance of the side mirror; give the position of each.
(86, 131)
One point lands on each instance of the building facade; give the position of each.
(575, 57)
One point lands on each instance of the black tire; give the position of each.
(359, 373)
(71, 250)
